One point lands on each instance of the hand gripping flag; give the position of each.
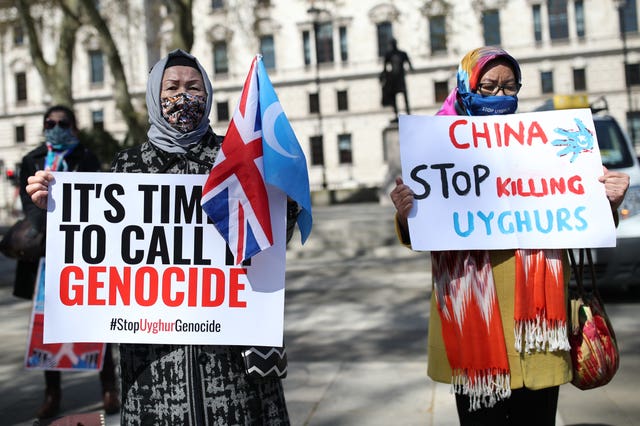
(259, 148)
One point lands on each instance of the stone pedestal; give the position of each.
(391, 145)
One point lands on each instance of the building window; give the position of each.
(306, 47)
(630, 17)
(222, 111)
(344, 149)
(385, 34)
(537, 22)
(21, 86)
(344, 47)
(18, 35)
(579, 80)
(558, 25)
(441, 90)
(324, 42)
(343, 100)
(217, 4)
(97, 119)
(491, 27)
(20, 134)
(317, 151)
(96, 61)
(546, 81)
(579, 10)
(220, 59)
(268, 52)
(314, 103)
(632, 74)
(437, 34)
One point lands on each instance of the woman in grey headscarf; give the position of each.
(187, 384)
(184, 384)
(179, 98)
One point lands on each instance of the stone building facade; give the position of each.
(325, 58)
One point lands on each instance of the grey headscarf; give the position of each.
(161, 134)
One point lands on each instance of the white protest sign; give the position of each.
(131, 258)
(500, 182)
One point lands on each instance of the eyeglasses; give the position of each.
(50, 124)
(492, 89)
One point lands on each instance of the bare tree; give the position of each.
(57, 77)
(134, 120)
(180, 14)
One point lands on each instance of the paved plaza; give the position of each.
(356, 322)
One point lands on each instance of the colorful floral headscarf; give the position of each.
(474, 62)
(469, 72)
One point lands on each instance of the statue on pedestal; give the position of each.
(392, 77)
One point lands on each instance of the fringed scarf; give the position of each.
(466, 296)
(471, 326)
(540, 311)
(471, 323)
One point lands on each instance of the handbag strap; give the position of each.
(578, 269)
(592, 270)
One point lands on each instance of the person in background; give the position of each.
(61, 151)
(524, 388)
(185, 384)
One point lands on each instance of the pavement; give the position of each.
(356, 324)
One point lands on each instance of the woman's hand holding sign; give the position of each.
(38, 187)
(615, 185)
(402, 197)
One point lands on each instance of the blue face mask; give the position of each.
(60, 139)
(476, 104)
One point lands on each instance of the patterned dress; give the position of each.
(190, 384)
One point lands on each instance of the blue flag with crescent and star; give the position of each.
(285, 165)
(259, 148)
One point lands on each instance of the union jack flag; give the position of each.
(235, 194)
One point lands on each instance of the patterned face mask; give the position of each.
(59, 143)
(59, 138)
(183, 111)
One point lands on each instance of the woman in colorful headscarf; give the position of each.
(504, 350)
(61, 151)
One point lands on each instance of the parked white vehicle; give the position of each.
(620, 266)
(616, 267)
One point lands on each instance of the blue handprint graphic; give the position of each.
(575, 142)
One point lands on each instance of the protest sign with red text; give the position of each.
(133, 258)
(498, 182)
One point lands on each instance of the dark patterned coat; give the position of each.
(190, 384)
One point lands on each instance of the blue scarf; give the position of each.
(476, 104)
